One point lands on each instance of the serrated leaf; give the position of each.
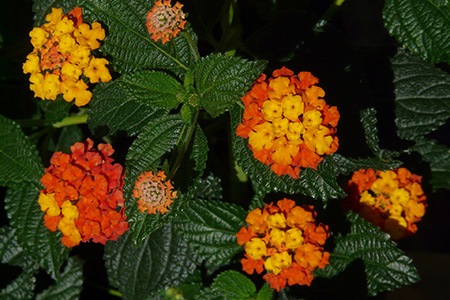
(161, 261)
(265, 293)
(12, 253)
(26, 219)
(56, 110)
(422, 96)
(42, 8)
(346, 165)
(209, 187)
(222, 80)
(153, 88)
(439, 158)
(319, 184)
(421, 26)
(18, 156)
(21, 288)
(128, 41)
(69, 284)
(210, 229)
(114, 107)
(386, 266)
(233, 285)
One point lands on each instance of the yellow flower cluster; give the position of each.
(62, 54)
(393, 200)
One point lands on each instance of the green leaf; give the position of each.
(210, 229)
(346, 165)
(222, 80)
(153, 88)
(21, 288)
(265, 293)
(56, 110)
(439, 158)
(161, 261)
(233, 285)
(209, 187)
(26, 219)
(12, 253)
(69, 284)
(386, 266)
(42, 8)
(421, 26)
(129, 43)
(114, 107)
(422, 96)
(319, 184)
(68, 136)
(19, 158)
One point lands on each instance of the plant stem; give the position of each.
(328, 15)
(72, 120)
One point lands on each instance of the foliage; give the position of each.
(175, 107)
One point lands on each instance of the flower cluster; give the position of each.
(164, 21)
(83, 195)
(62, 54)
(154, 192)
(393, 200)
(284, 240)
(287, 123)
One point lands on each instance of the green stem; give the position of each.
(115, 293)
(328, 15)
(71, 120)
(183, 144)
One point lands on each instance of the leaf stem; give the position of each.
(72, 120)
(328, 15)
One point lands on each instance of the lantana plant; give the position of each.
(222, 149)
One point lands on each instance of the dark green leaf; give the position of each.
(265, 293)
(233, 285)
(439, 158)
(12, 253)
(129, 43)
(68, 136)
(153, 88)
(69, 285)
(42, 8)
(422, 96)
(199, 153)
(209, 188)
(18, 156)
(421, 26)
(346, 165)
(386, 266)
(114, 107)
(55, 111)
(21, 288)
(161, 261)
(222, 80)
(210, 229)
(26, 219)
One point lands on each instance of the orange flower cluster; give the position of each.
(284, 240)
(288, 124)
(154, 192)
(392, 200)
(62, 54)
(164, 21)
(83, 195)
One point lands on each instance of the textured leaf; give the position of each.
(42, 8)
(154, 88)
(114, 107)
(222, 80)
(69, 135)
(346, 165)
(210, 229)
(439, 158)
(422, 96)
(386, 266)
(129, 43)
(161, 261)
(199, 153)
(421, 26)
(12, 253)
(18, 156)
(69, 285)
(320, 184)
(155, 139)
(209, 188)
(26, 219)
(21, 288)
(55, 111)
(265, 293)
(233, 285)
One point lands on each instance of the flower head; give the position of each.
(62, 54)
(83, 195)
(284, 240)
(154, 192)
(288, 124)
(164, 21)
(393, 200)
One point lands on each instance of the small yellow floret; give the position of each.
(255, 248)
(294, 238)
(276, 221)
(49, 204)
(278, 262)
(293, 107)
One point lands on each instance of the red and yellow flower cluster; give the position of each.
(154, 192)
(288, 124)
(164, 21)
(83, 195)
(393, 200)
(284, 240)
(62, 53)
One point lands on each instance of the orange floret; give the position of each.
(164, 21)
